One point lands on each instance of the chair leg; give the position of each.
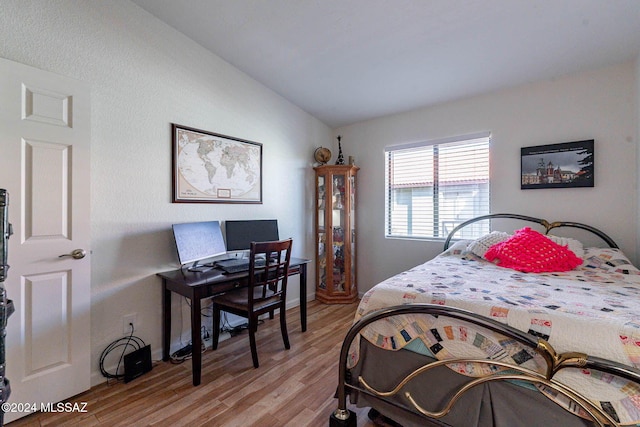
(253, 326)
(283, 328)
(215, 327)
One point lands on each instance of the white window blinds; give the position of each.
(433, 186)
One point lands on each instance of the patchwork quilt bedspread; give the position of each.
(593, 309)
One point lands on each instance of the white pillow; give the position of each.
(573, 245)
(482, 244)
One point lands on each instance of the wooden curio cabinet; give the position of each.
(336, 234)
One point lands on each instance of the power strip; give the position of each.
(184, 351)
(208, 342)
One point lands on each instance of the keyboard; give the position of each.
(233, 265)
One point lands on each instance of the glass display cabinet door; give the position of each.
(352, 232)
(338, 235)
(335, 234)
(321, 233)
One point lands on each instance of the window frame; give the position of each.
(450, 141)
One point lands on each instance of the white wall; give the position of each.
(637, 114)
(596, 105)
(145, 76)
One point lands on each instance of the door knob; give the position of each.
(75, 254)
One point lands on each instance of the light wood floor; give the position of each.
(290, 388)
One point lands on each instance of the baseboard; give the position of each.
(156, 355)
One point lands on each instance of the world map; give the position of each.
(215, 168)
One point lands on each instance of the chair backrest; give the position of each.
(269, 281)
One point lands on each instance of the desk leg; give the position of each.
(166, 323)
(303, 296)
(196, 339)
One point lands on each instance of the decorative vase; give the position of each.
(340, 159)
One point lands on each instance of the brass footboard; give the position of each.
(553, 363)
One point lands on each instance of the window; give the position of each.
(433, 186)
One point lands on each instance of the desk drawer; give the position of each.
(226, 286)
(294, 270)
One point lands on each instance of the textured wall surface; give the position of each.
(597, 104)
(143, 77)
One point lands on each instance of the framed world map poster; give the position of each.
(213, 168)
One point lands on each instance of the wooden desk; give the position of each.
(197, 286)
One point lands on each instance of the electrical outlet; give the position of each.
(206, 338)
(207, 342)
(127, 321)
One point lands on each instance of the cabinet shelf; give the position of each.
(336, 234)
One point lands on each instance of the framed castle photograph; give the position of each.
(213, 168)
(564, 165)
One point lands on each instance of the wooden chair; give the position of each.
(266, 292)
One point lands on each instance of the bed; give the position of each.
(504, 330)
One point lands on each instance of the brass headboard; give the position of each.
(546, 224)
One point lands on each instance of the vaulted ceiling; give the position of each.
(345, 61)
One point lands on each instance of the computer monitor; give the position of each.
(241, 233)
(197, 241)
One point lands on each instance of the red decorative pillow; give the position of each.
(532, 252)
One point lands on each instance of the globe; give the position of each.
(322, 155)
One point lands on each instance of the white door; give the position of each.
(44, 166)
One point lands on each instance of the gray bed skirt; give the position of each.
(496, 404)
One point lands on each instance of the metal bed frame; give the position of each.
(546, 224)
(555, 362)
(343, 417)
